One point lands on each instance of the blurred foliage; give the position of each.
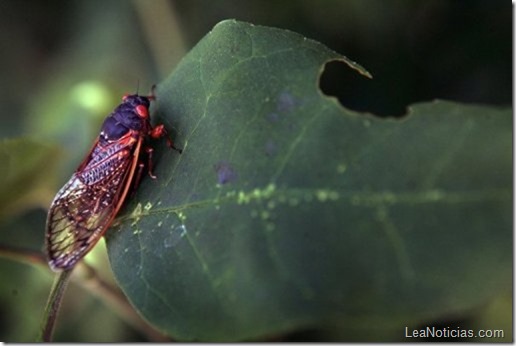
(20, 187)
(66, 63)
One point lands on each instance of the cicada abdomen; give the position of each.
(86, 205)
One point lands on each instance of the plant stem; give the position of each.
(53, 304)
(89, 279)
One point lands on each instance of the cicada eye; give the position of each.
(124, 98)
(142, 111)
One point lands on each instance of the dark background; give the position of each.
(416, 51)
(66, 63)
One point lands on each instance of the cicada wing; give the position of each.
(82, 212)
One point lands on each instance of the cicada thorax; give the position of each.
(86, 205)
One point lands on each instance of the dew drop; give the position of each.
(175, 235)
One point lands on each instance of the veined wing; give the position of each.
(86, 205)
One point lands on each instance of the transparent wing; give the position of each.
(85, 206)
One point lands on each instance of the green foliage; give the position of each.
(287, 211)
(27, 174)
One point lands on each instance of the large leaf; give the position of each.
(286, 211)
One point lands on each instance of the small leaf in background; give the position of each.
(286, 211)
(27, 176)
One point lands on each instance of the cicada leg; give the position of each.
(149, 151)
(160, 131)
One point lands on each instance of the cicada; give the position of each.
(86, 205)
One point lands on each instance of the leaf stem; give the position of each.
(90, 280)
(53, 304)
(23, 255)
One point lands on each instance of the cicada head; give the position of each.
(131, 114)
(140, 104)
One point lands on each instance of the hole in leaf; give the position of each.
(355, 91)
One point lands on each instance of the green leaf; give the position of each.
(287, 211)
(27, 176)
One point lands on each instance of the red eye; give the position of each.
(142, 111)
